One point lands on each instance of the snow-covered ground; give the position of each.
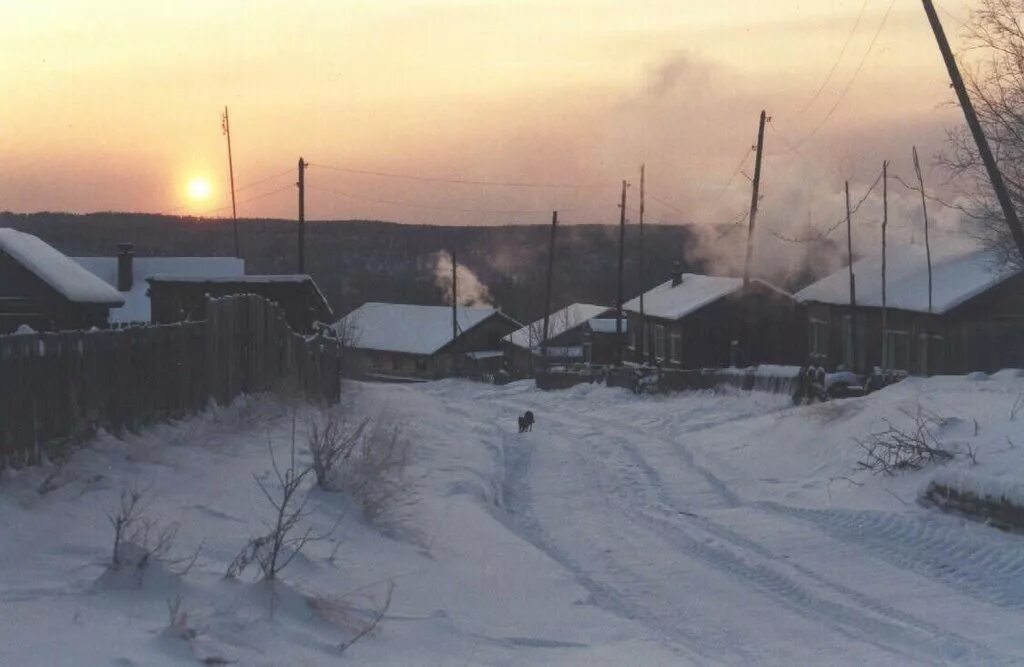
(723, 528)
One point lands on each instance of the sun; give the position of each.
(198, 189)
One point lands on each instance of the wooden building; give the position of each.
(973, 319)
(566, 339)
(128, 274)
(44, 289)
(177, 298)
(401, 341)
(692, 321)
(601, 339)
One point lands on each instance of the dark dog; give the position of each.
(526, 422)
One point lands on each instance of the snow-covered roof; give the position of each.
(559, 322)
(696, 291)
(957, 276)
(136, 300)
(56, 269)
(397, 327)
(606, 325)
(224, 278)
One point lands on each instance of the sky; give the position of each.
(110, 105)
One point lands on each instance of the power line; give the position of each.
(436, 207)
(849, 84)
(247, 186)
(818, 237)
(244, 201)
(937, 200)
(839, 58)
(460, 181)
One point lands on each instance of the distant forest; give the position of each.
(359, 261)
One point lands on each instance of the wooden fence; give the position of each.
(61, 387)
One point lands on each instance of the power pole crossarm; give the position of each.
(984, 151)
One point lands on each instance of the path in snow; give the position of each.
(656, 537)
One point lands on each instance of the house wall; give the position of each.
(706, 335)
(26, 299)
(176, 301)
(983, 334)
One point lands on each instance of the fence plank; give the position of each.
(58, 387)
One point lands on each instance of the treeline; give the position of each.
(359, 261)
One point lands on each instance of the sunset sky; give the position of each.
(109, 105)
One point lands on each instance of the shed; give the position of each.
(974, 319)
(44, 289)
(404, 341)
(177, 298)
(691, 321)
(566, 338)
(129, 274)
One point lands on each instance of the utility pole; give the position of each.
(622, 259)
(927, 243)
(984, 151)
(753, 202)
(547, 291)
(226, 127)
(455, 296)
(302, 215)
(885, 225)
(853, 283)
(643, 318)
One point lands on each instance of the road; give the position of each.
(614, 493)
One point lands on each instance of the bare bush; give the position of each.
(275, 550)
(331, 442)
(58, 455)
(374, 621)
(895, 450)
(177, 620)
(1018, 405)
(374, 473)
(138, 539)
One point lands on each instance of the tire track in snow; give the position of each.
(865, 621)
(991, 571)
(517, 496)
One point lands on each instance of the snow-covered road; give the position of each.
(612, 488)
(701, 528)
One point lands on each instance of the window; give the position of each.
(659, 341)
(817, 344)
(897, 350)
(676, 346)
(851, 360)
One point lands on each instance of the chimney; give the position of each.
(125, 257)
(677, 274)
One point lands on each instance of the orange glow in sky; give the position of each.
(105, 102)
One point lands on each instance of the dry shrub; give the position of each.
(895, 449)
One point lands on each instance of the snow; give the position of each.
(695, 291)
(395, 327)
(560, 321)
(606, 325)
(57, 270)
(136, 300)
(958, 275)
(723, 527)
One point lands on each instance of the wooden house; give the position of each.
(128, 274)
(970, 319)
(177, 298)
(44, 289)
(601, 339)
(692, 321)
(401, 341)
(566, 339)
